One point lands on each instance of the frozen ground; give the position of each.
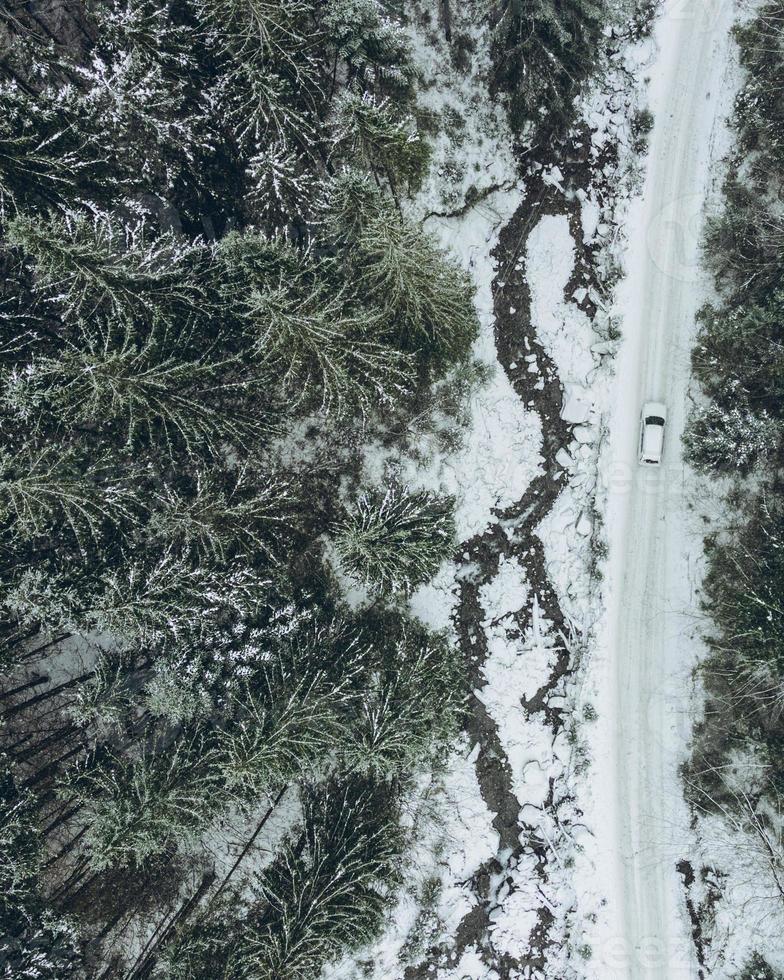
(568, 870)
(646, 648)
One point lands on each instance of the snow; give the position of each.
(565, 784)
(562, 328)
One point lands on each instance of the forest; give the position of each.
(212, 300)
(737, 766)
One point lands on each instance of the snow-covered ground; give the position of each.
(647, 646)
(573, 875)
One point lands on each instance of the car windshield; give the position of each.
(654, 420)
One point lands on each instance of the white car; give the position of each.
(652, 422)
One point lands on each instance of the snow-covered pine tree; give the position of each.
(34, 941)
(55, 491)
(285, 726)
(271, 76)
(409, 705)
(44, 160)
(320, 347)
(164, 594)
(282, 185)
(312, 338)
(138, 383)
(91, 260)
(138, 808)
(352, 199)
(135, 95)
(543, 51)
(329, 893)
(224, 514)
(422, 296)
(730, 439)
(371, 44)
(374, 133)
(739, 352)
(105, 698)
(395, 538)
(325, 893)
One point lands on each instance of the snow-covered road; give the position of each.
(644, 720)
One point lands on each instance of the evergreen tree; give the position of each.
(352, 200)
(34, 942)
(136, 94)
(325, 893)
(43, 159)
(743, 597)
(164, 595)
(396, 539)
(316, 341)
(89, 261)
(271, 83)
(386, 143)
(137, 809)
(105, 698)
(543, 51)
(51, 491)
(370, 43)
(730, 439)
(282, 187)
(422, 296)
(409, 705)
(141, 385)
(223, 515)
(286, 725)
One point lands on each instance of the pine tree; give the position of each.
(285, 727)
(730, 439)
(44, 161)
(105, 698)
(163, 595)
(34, 942)
(138, 809)
(542, 52)
(396, 539)
(224, 515)
(372, 132)
(134, 93)
(330, 896)
(422, 296)
(89, 261)
(271, 82)
(283, 186)
(352, 200)
(409, 707)
(325, 894)
(141, 384)
(370, 42)
(51, 491)
(318, 343)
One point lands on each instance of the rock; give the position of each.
(575, 410)
(584, 526)
(563, 458)
(583, 434)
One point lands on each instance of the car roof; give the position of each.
(653, 440)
